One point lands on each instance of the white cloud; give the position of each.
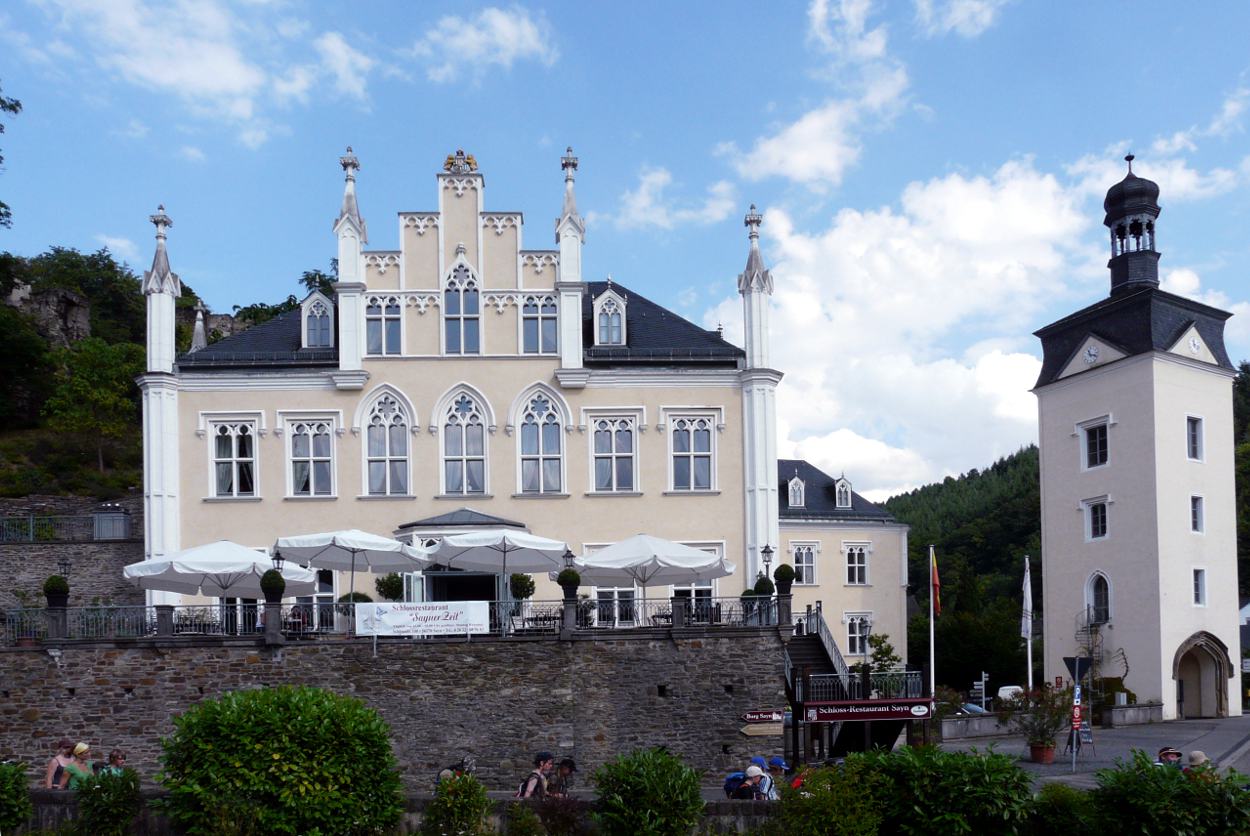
(1184, 281)
(866, 309)
(134, 130)
(496, 37)
(648, 206)
(349, 67)
(1177, 180)
(191, 154)
(1231, 110)
(841, 28)
(967, 18)
(118, 246)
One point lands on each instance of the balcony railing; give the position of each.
(881, 685)
(66, 528)
(325, 619)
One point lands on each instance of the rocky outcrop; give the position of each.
(62, 316)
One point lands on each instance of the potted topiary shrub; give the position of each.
(273, 585)
(784, 576)
(763, 586)
(56, 590)
(569, 580)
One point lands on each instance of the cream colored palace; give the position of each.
(465, 379)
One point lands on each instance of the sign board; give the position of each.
(1087, 731)
(1245, 665)
(764, 715)
(1076, 717)
(1078, 666)
(430, 618)
(762, 730)
(836, 712)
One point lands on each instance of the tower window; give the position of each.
(1196, 521)
(1095, 513)
(1100, 600)
(1200, 587)
(1193, 438)
(1096, 446)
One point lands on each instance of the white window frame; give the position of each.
(813, 548)
(1197, 514)
(620, 303)
(1087, 518)
(861, 546)
(306, 307)
(1199, 590)
(540, 299)
(410, 421)
(384, 302)
(287, 420)
(453, 284)
(1091, 601)
(445, 405)
(714, 417)
(206, 425)
(1081, 431)
(1190, 422)
(561, 410)
(843, 495)
(854, 637)
(637, 416)
(796, 493)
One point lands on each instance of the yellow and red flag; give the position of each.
(936, 591)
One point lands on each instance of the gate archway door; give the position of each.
(1201, 669)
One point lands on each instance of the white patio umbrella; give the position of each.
(501, 550)
(221, 570)
(650, 561)
(345, 550)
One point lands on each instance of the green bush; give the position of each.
(15, 806)
(273, 582)
(927, 790)
(108, 803)
(521, 586)
(784, 573)
(648, 792)
(1138, 797)
(763, 586)
(837, 801)
(569, 577)
(1059, 808)
(523, 821)
(292, 759)
(459, 808)
(390, 587)
(55, 585)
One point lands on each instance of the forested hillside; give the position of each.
(982, 524)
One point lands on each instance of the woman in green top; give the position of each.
(78, 769)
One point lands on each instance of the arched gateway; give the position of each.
(1201, 669)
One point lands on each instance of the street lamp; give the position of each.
(569, 557)
(767, 554)
(278, 561)
(63, 565)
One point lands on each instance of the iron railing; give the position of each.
(109, 622)
(881, 685)
(816, 624)
(65, 528)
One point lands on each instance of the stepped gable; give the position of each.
(275, 343)
(1137, 322)
(821, 497)
(655, 336)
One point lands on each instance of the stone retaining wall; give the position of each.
(95, 576)
(500, 700)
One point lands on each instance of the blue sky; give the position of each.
(931, 172)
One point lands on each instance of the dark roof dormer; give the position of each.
(1132, 207)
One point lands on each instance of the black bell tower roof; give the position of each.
(1132, 206)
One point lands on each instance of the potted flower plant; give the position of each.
(273, 585)
(784, 576)
(569, 580)
(56, 590)
(1039, 716)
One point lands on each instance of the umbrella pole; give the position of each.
(351, 598)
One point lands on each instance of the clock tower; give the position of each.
(1139, 549)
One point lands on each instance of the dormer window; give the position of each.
(610, 318)
(317, 313)
(842, 493)
(797, 493)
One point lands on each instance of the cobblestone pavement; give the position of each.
(1227, 742)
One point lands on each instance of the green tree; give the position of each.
(114, 293)
(317, 280)
(95, 392)
(14, 107)
(25, 367)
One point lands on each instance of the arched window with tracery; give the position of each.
(386, 447)
(464, 447)
(541, 446)
(462, 309)
(842, 494)
(610, 320)
(317, 322)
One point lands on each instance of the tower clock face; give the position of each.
(1194, 345)
(1091, 355)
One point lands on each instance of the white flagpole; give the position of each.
(932, 673)
(1026, 617)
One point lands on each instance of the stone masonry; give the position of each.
(500, 700)
(95, 576)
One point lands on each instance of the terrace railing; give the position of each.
(66, 528)
(881, 685)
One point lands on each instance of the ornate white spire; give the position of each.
(350, 210)
(160, 279)
(568, 213)
(756, 276)
(199, 337)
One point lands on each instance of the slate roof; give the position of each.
(820, 497)
(654, 336)
(271, 344)
(463, 517)
(1136, 322)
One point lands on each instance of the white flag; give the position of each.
(1026, 613)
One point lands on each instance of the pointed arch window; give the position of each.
(538, 325)
(462, 308)
(386, 448)
(382, 325)
(842, 494)
(464, 447)
(797, 493)
(234, 459)
(1098, 599)
(692, 453)
(614, 452)
(610, 324)
(317, 325)
(542, 461)
(312, 458)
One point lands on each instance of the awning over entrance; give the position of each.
(460, 521)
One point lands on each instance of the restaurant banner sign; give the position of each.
(429, 618)
(836, 712)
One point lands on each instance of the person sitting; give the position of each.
(79, 769)
(1169, 756)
